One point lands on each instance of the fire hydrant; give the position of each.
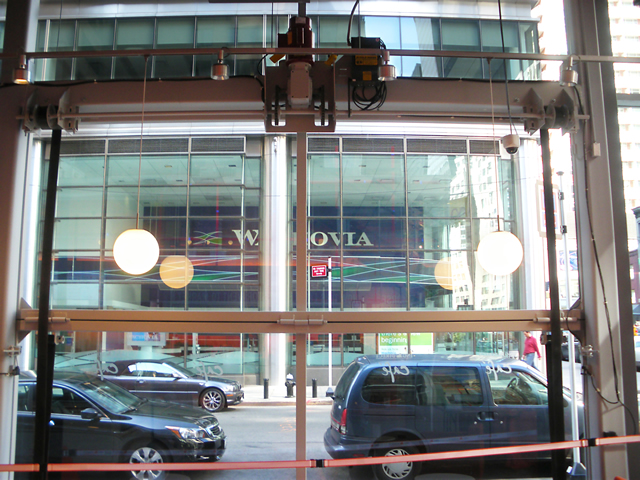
(289, 383)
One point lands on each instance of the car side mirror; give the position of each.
(89, 414)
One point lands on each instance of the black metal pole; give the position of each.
(46, 341)
(553, 349)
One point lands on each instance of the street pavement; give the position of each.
(277, 395)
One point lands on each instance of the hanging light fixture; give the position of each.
(220, 70)
(442, 272)
(500, 252)
(176, 271)
(386, 72)
(21, 74)
(136, 250)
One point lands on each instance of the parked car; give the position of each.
(637, 345)
(386, 405)
(95, 421)
(159, 379)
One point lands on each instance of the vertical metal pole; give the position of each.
(554, 350)
(46, 342)
(330, 335)
(575, 432)
(301, 296)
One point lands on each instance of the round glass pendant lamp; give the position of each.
(500, 253)
(442, 272)
(176, 271)
(136, 251)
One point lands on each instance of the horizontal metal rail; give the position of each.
(299, 322)
(323, 51)
(419, 457)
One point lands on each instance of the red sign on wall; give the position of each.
(319, 271)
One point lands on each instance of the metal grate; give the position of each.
(484, 147)
(436, 145)
(217, 144)
(150, 145)
(323, 144)
(81, 147)
(372, 145)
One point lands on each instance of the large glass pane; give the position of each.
(437, 185)
(332, 31)
(62, 36)
(373, 185)
(324, 185)
(491, 35)
(155, 170)
(81, 171)
(462, 35)
(420, 34)
(529, 44)
(94, 35)
(219, 31)
(77, 234)
(215, 201)
(79, 202)
(250, 34)
(175, 32)
(132, 34)
(220, 170)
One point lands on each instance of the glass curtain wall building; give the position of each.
(389, 212)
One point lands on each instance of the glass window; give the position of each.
(529, 44)
(132, 34)
(62, 36)
(491, 37)
(250, 34)
(219, 31)
(332, 31)
(94, 35)
(79, 202)
(324, 185)
(81, 171)
(174, 32)
(511, 387)
(462, 35)
(420, 34)
(391, 385)
(448, 385)
(373, 185)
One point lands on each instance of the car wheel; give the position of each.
(396, 471)
(213, 400)
(147, 454)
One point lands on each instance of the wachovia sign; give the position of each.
(318, 239)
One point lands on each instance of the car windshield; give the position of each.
(109, 396)
(185, 371)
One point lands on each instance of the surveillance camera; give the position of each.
(511, 143)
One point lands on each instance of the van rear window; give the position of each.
(391, 386)
(342, 388)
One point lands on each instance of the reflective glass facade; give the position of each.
(406, 33)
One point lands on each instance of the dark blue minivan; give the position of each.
(403, 404)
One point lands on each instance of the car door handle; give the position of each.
(485, 416)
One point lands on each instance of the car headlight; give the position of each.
(228, 388)
(188, 433)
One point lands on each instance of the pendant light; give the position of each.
(500, 252)
(136, 250)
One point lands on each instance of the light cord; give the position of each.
(144, 95)
(495, 142)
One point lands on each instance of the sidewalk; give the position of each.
(254, 396)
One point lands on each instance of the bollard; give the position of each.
(266, 388)
(314, 388)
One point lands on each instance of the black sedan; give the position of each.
(94, 421)
(160, 379)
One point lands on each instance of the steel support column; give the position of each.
(611, 392)
(20, 24)
(274, 249)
